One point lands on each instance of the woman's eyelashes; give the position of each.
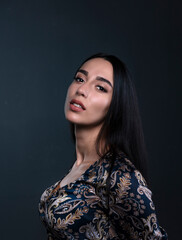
(98, 87)
(78, 79)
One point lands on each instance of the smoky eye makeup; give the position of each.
(78, 79)
(101, 88)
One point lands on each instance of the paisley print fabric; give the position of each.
(84, 210)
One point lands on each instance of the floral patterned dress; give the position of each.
(83, 210)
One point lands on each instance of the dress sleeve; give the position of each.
(132, 211)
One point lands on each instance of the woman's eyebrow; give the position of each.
(83, 71)
(97, 78)
(104, 80)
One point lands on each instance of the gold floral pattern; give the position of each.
(80, 209)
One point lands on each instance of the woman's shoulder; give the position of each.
(131, 201)
(125, 171)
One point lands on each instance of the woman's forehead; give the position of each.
(99, 67)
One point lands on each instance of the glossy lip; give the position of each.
(78, 102)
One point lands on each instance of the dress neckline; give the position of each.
(57, 186)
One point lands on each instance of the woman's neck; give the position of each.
(85, 144)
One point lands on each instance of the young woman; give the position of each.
(104, 195)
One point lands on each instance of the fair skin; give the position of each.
(87, 102)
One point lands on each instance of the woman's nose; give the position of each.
(82, 90)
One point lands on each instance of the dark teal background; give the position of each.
(41, 45)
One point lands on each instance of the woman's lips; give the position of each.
(76, 105)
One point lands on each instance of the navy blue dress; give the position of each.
(80, 210)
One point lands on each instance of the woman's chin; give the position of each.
(87, 122)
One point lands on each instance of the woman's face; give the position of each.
(89, 95)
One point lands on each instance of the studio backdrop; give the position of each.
(41, 45)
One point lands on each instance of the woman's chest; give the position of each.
(75, 208)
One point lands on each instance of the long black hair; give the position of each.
(122, 127)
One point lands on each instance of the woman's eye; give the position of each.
(78, 79)
(101, 88)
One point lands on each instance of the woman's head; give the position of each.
(121, 127)
(89, 95)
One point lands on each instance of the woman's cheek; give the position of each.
(101, 106)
